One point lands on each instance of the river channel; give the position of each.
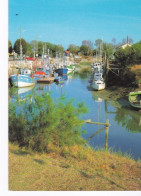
(123, 135)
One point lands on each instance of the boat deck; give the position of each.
(46, 80)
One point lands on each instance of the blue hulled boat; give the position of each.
(62, 71)
(22, 79)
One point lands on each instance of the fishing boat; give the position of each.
(70, 69)
(62, 71)
(23, 77)
(41, 72)
(135, 99)
(98, 76)
(98, 84)
(22, 80)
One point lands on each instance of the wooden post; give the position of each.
(106, 135)
(98, 123)
(95, 133)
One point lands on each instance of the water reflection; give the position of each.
(129, 119)
(125, 117)
(22, 94)
(99, 101)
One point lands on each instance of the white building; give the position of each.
(125, 45)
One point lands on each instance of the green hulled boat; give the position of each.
(135, 99)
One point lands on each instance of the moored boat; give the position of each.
(41, 72)
(19, 80)
(135, 99)
(62, 71)
(98, 85)
(22, 79)
(46, 80)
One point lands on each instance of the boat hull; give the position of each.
(22, 80)
(62, 71)
(135, 99)
(98, 87)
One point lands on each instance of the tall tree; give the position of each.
(84, 50)
(88, 43)
(114, 42)
(124, 41)
(108, 50)
(73, 49)
(17, 46)
(9, 46)
(98, 43)
(29, 51)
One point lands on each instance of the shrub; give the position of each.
(44, 122)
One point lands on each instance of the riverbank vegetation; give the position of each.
(45, 122)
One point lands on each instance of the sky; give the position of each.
(68, 22)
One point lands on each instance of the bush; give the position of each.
(44, 122)
(129, 55)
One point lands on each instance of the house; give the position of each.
(67, 53)
(125, 45)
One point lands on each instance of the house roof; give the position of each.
(67, 51)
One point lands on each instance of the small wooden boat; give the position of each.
(46, 80)
(135, 99)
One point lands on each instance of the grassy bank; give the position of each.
(84, 67)
(77, 168)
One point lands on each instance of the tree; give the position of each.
(84, 49)
(57, 49)
(17, 46)
(9, 46)
(73, 49)
(124, 56)
(55, 123)
(137, 52)
(114, 42)
(108, 49)
(29, 50)
(88, 43)
(123, 41)
(40, 48)
(98, 43)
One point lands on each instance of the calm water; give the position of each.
(125, 131)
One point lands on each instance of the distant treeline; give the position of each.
(128, 55)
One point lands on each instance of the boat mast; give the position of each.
(20, 48)
(43, 55)
(36, 49)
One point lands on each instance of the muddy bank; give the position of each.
(118, 96)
